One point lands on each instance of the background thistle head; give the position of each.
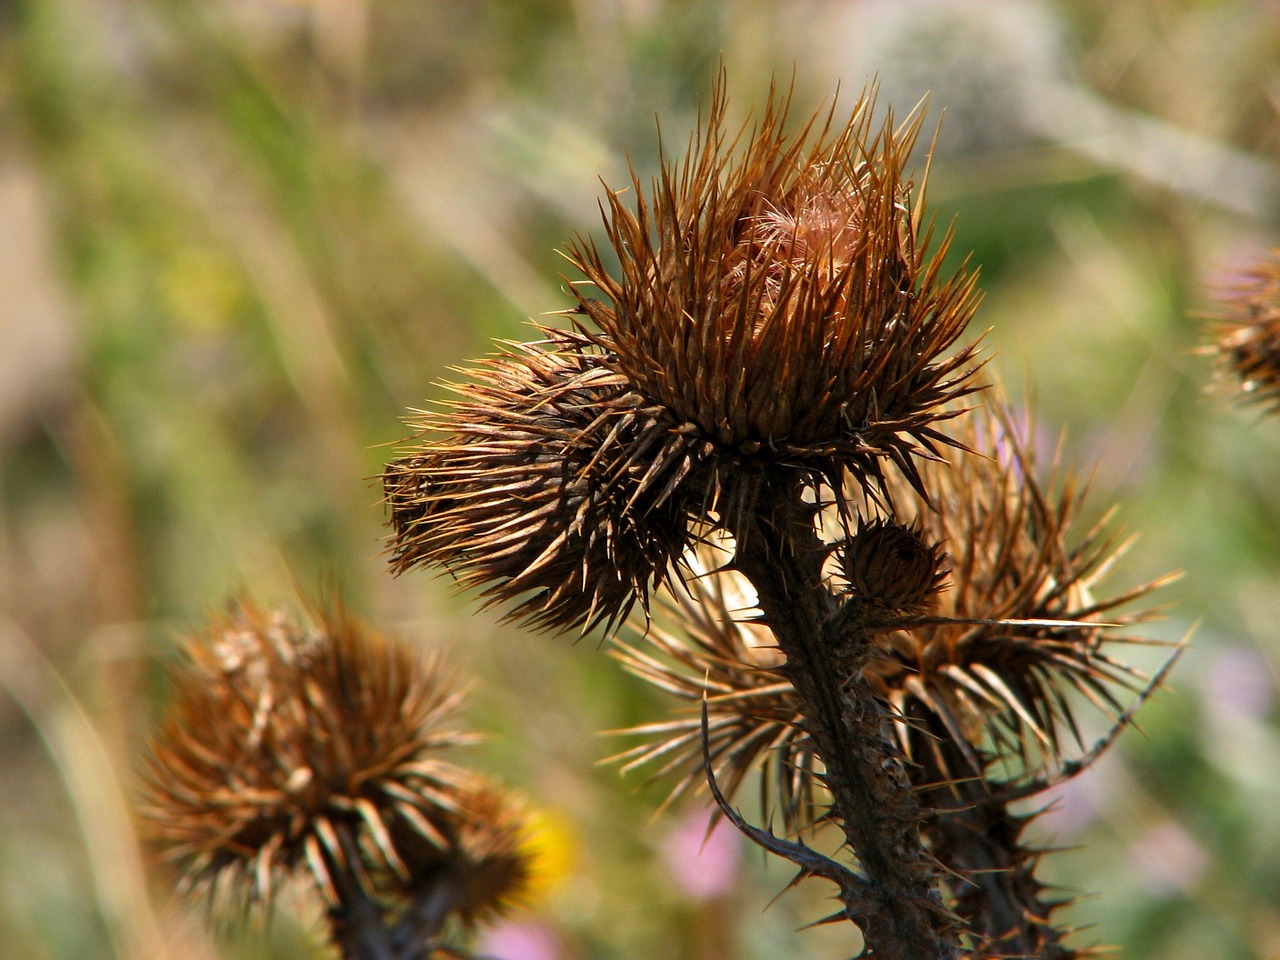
(1247, 332)
(319, 751)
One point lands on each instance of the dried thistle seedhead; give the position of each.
(776, 299)
(305, 749)
(891, 567)
(1248, 334)
(776, 313)
(483, 866)
(540, 491)
(1018, 553)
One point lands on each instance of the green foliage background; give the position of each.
(238, 238)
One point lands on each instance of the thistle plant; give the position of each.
(759, 437)
(315, 753)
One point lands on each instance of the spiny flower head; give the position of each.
(777, 299)
(889, 566)
(1017, 553)
(312, 749)
(1248, 333)
(484, 865)
(540, 491)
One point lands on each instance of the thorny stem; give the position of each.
(361, 927)
(903, 917)
(996, 891)
(973, 833)
(358, 921)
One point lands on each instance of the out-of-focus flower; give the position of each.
(318, 749)
(522, 940)
(703, 862)
(1239, 684)
(1248, 333)
(1168, 858)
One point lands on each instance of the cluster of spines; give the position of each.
(1247, 333)
(539, 489)
(779, 347)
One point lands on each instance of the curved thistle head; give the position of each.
(540, 489)
(318, 750)
(1019, 553)
(968, 693)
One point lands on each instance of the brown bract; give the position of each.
(315, 750)
(1248, 334)
(703, 645)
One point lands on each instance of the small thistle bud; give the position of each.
(890, 566)
(1248, 334)
(315, 750)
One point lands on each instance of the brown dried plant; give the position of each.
(982, 686)
(745, 341)
(317, 751)
(751, 418)
(1248, 333)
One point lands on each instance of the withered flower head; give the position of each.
(1248, 333)
(776, 312)
(484, 865)
(541, 492)
(1018, 553)
(311, 749)
(890, 566)
(776, 298)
